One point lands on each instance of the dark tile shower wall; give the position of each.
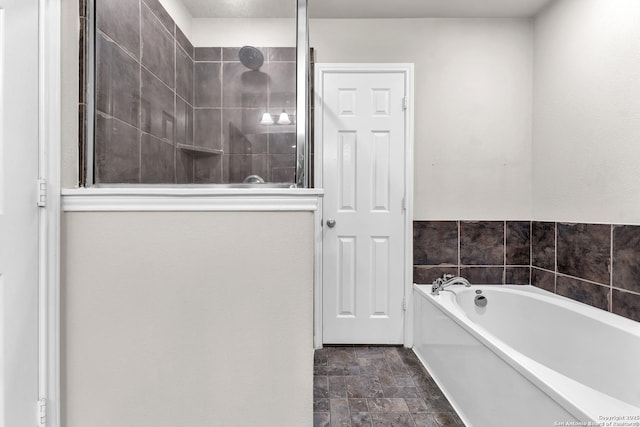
(597, 264)
(157, 95)
(487, 252)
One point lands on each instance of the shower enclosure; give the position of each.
(190, 92)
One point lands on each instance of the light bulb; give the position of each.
(284, 119)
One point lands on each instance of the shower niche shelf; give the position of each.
(196, 151)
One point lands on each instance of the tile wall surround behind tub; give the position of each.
(596, 264)
(156, 93)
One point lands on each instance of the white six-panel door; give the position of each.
(18, 212)
(363, 145)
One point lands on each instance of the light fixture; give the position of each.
(284, 118)
(267, 119)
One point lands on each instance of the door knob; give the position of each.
(331, 223)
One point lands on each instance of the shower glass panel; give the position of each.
(196, 92)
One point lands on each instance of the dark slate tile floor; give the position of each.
(360, 386)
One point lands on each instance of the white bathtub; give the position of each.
(529, 358)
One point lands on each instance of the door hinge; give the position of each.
(405, 103)
(42, 193)
(42, 412)
(404, 304)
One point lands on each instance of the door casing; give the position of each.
(321, 70)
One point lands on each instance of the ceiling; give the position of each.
(366, 8)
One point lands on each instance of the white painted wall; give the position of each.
(587, 112)
(241, 32)
(180, 14)
(472, 106)
(188, 319)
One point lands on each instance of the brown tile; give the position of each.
(158, 110)
(426, 275)
(213, 54)
(584, 292)
(518, 242)
(584, 251)
(543, 279)
(117, 82)
(243, 88)
(208, 84)
(184, 42)
(626, 304)
(517, 275)
(157, 161)
(207, 128)
(184, 76)
(162, 15)
(543, 245)
(158, 53)
(435, 242)
(117, 152)
(482, 243)
(121, 22)
(626, 257)
(483, 275)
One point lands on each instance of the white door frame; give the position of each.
(49, 165)
(321, 70)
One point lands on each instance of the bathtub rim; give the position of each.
(533, 371)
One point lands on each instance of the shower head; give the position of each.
(251, 57)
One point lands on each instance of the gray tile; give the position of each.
(358, 405)
(320, 387)
(282, 143)
(320, 405)
(337, 387)
(404, 381)
(184, 122)
(243, 88)
(340, 413)
(157, 161)
(584, 292)
(435, 242)
(426, 275)
(282, 54)
(161, 14)
(400, 392)
(321, 419)
(387, 405)
(237, 167)
(120, 20)
(283, 175)
(543, 245)
(437, 403)
(361, 419)
(483, 275)
(184, 42)
(242, 132)
(445, 419)
(207, 84)
(231, 54)
(184, 76)
(517, 275)
(424, 420)
(394, 419)
(282, 167)
(158, 53)
(117, 82)
(184, 168)
(416, 405)
(158, 108)
(208, 54)
(341, 356)
(518, 242)
(320, 357)
(208, 170)
(584, 251)
(206, 129)
(626, 304)
(482, 243)
(363, 387)
(543, 279)
(117, 152)
(626, 257)
(282, 85)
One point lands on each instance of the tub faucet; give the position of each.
(447, 280)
